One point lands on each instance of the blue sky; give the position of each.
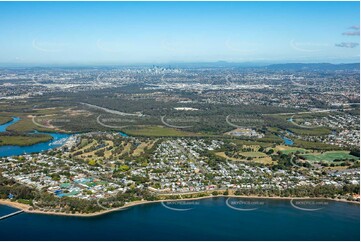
(163, 32)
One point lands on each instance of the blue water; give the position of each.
(287, 141)
(123, 134)
(3, 127)
(57, 141)
(9, 150)
(210, 219)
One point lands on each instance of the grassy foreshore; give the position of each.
(27, 209)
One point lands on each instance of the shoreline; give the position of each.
(26, 207)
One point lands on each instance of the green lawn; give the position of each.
(288, 150)
(329, 156)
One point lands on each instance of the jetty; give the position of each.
(11, 214)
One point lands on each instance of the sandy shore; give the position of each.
(14, 204)
(136, 203)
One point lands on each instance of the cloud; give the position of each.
(356, 27)
(308, 46)
(352, 33)
(347, 44)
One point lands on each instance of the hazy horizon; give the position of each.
(164, 64)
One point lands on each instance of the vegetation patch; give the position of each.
(4, 120)
(253, 154)
(23, 140)
(311, 131)
(158, 131)
(25, 124)
(283, 149)
(315, 145)
(329, 156)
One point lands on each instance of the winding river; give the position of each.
(58, 139)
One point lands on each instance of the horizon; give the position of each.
(171, 64)
(166, 33)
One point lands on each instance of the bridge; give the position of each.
(11, 214)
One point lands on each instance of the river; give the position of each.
(9, 150)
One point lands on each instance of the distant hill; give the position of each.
(313, 66)
(274, 67)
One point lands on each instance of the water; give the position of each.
(58, 139)
(3, 127)
(123, 134)
(210, 219)
(287, 141)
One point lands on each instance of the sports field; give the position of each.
(329, 156)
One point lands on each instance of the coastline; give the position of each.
(26, 207)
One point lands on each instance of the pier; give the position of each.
(11, 214)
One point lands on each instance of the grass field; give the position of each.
(158, 131)
(256, 156)
(223, 155)
(264, 160)
(253, 154)
(329, 156)
(287, 149)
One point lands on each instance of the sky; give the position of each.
(167, 32)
